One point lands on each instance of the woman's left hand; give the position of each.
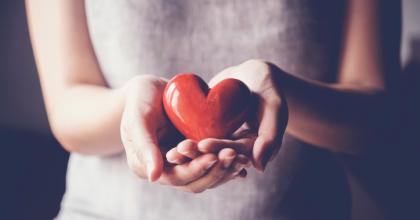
(260, 138)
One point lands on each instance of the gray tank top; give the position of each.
(165, 37)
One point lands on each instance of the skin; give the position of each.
(131, 121)
(144, 124)
(74, 89)
(350, 116)
(261, 137)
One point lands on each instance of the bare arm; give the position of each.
(88, 117)
(347, 116)
(77, 99)
(351, 114)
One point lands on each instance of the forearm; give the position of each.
(84, 115)
(87, 119)
(341, 118)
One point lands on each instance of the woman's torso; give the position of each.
(166, 37)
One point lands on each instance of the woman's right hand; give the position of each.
(144, 125)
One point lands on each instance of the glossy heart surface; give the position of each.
(199, 112)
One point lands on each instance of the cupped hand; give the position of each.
(242, 141)
(261, 136)
(144, 126)
(269, 117)
(232, 164)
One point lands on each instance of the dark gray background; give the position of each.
(32, 160)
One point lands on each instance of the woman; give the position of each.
(330, 60)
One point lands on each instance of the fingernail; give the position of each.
(182, 151)
(210, 164)
(176, 161)
(243, 173)
(170, 160)
(228, 161)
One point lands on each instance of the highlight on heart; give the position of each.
(200, 112)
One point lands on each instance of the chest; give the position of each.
(165, 37)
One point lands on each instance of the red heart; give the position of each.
(199, 112)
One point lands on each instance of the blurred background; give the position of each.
(33, 162)
(31, 159)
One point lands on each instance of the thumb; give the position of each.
(148, 152)
(152, 160)
(270, 134)
(262, 150)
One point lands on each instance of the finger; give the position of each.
(226, 158)
(143, 153)
(144, 159)
(188, 148)
(143, 117)
(183, 174)
(269, 135)
(174, 157)
(237, 170)
(149, 151)
(184, 151)
(212, 145)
